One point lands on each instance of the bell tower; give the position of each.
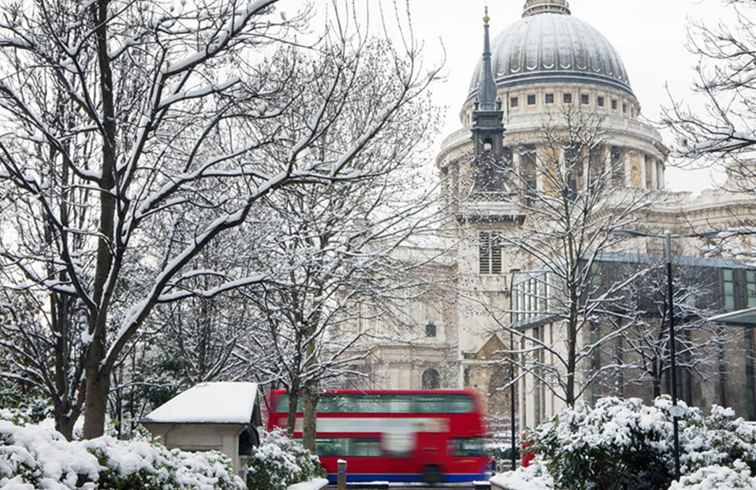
(488, 125)
(487, 118)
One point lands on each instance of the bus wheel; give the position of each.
(432, 474)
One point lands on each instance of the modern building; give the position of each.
(546, 65)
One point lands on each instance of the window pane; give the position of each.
(468, 447)
(429, 404)
(364, 447)
(331, 447)
(399, 403)
(282, 405)
(348, 447)
(460, 404)
(727, 274)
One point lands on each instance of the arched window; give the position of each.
(431, 379)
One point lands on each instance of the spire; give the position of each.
(487, 87)
(535, 7)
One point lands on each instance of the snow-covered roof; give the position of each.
(208, 403)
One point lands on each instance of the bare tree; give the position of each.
(574, 208)
(123, 115)
(722, 132)
(640, 355)
(334, 251)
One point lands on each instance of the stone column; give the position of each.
(517, 181)
(608, 163)
(643, 169)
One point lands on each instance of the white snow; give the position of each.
(34, 457)
(310, 485)
(717, 478)
(210, 403)
(534, 477)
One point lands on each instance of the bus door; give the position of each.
(432, 441)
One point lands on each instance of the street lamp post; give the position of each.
(675, 412)
(512, 394)
(672, 352)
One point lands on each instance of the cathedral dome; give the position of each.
(549, 45)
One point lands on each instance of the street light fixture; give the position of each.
(512, 395)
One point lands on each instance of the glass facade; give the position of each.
(751, 289)
(728, 286)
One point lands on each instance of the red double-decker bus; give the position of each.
(427, 436)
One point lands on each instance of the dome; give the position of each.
(552, 46)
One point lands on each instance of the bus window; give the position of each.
(348, 447)
(443, 404)
(331, 447)
(472, 446)
(430, 403)
(399, 404)
(385, 403)
(365, 447)
(460, 404)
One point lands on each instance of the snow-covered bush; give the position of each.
(719, 439)
(717, 478)
(279, 462)
(625, 444)
(36, 457)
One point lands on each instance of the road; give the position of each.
(396, 486)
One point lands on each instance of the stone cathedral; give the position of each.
(543, 62)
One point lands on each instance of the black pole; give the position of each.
(512, 395)
(672, 355)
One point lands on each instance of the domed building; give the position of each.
(533, 78)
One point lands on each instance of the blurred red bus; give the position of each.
(432, 436)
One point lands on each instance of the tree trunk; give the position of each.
(97, 374)
(64, 424)
(571, 363)
(291, 420)
(310, 422)
(656, 380)
(98, 386)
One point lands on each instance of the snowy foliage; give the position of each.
(279, 462)
(717, 477)
(34, 457)
(625, 444)
(32, 413)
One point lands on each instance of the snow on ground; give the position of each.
(310, 485)
(209, 403)
(534, 477)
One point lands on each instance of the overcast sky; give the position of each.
(650, 36)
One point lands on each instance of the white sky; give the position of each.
(650, 36)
